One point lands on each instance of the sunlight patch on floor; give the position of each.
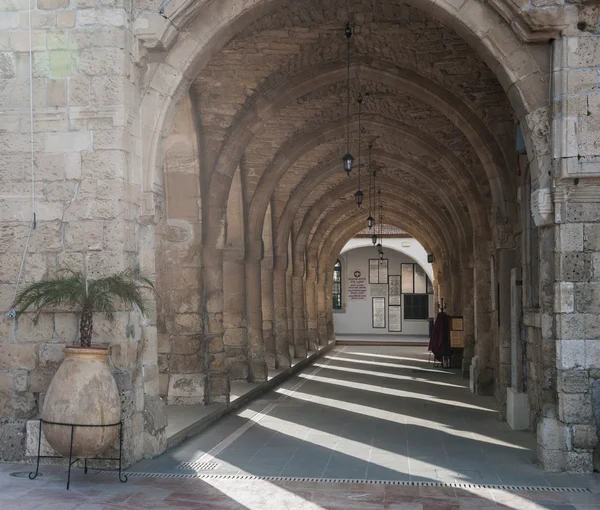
(391, 365)
(387, 375)
(400, 418)
(397, 393)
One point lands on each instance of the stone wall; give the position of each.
(169, 133)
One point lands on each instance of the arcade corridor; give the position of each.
(375, 413)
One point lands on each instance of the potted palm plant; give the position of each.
(83, 391)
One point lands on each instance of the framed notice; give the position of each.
(379, 290)
(383, 271)
(456, 324)
(395, 290)
(395, 318)
(378, 312)
(457, 339)
(373, 271)
(378, 271)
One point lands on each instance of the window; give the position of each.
(337, 286)
(416, 306)
(415, 280)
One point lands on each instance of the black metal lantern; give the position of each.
(358, 196)
(379, 248)
(370, 219)
(381, 255)
(348, 159)
(374, 239)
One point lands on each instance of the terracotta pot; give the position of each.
(83, 391)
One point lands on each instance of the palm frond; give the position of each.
(55, 292)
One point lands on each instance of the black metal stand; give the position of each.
(122, 476)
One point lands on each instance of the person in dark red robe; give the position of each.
(439, 344)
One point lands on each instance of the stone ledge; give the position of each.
(242, 393)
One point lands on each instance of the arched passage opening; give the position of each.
(446, 88)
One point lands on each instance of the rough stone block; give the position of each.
(68, 141)
(564, 297)
(12, 439)
(39, 380)
(186, 344)
(65, 328)
(7, 382)
(186, 389)
(84, 235)
(18, 356)
(235, 337)
(51, 355)
(219, 388)
(584, 437)
(592, 353)
(17, 405)
(32, 440)
(573, 381)
(155, 415)
(570, 354)
(34, 328)
(185, 363)
(552, 434)
(579, 462)
(575, 408)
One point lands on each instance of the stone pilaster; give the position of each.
(281, 319)
(311, 312)
(484, 373)
(468, 311)
(268, 312)
(300, 340)
(254, 317)
(235, 332)
(321, 310)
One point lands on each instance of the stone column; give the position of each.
(300, 341)
(256, 347)
(329, 306)
(456, 301)
(468, 311)
(311, 311)
(217, 379)
(506, 262)
(321, 310)
(235, 333)
(282, 349)
(268, 306)
(483, 372)
(290, 314)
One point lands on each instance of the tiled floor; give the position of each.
(364, 413)
(375, 413)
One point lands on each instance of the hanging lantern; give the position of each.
(358, 196)
(348, 159)
(381, 255)
(374, 239)
(379, 247)
(370, 220)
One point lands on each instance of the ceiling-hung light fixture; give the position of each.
(379, 245)
(374, 236)
(358, 196)
(370, 219)
(348, 158)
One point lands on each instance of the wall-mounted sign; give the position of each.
(379, 290)
(357, 274)
(357, 287)
(395, 318)
(395, 282)
(378, 312)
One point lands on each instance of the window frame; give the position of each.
(337, 268)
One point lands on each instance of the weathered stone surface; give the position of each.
(12, 439)
(155, 415)
(32, 441)
(50, 355)
(18, 356)
(186, 389)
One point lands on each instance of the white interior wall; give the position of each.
(355, 318)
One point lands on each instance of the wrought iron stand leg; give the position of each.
(122, 477)
(37, 467)
(70, 457)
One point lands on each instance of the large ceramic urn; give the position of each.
(84, 392)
